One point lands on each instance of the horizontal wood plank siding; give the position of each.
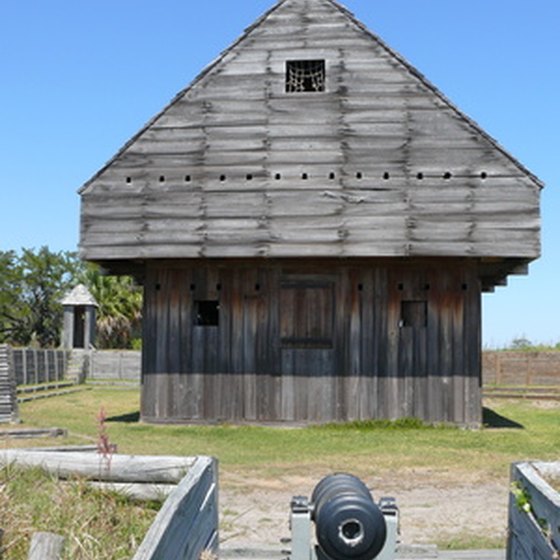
(236, 167)
(318, 342)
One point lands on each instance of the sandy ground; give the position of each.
(433, 507)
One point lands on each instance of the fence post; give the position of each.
(65, 363)
(46, 546)
(498, 368)
(36, 367)
(24, 365)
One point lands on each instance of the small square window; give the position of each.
(207, 313)
(414, 314)
(305, 76)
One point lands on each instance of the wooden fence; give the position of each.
(8, 399)
(115, 364)
(534, 513)
(499, 368)
(529, 369)
(34, 366)
(186, 525)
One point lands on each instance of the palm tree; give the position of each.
(119, 315)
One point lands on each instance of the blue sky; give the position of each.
(80, 77)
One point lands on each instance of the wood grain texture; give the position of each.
(534, 534)
(187, 524)
(46, 546)
(236, 167)
(318, 342)
(312, 222)
(93, 466)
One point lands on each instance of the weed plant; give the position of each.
(514, 431)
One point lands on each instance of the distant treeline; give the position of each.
(32, 285)
(525, 345)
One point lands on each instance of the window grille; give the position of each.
(305, 76)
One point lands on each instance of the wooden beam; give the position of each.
(93, 466)
(46, 546)
(187, 524)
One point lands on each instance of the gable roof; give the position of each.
(79, 295)
(383, 162)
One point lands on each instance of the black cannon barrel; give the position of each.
(349, 525)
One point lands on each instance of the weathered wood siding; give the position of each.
(315, 342)
(379, 164)
(223, 197)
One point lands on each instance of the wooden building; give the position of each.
(313, 223)
(80, 310)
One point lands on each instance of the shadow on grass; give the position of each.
(130, 417)
(492, 419)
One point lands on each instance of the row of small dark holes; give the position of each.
(427, 287)
(332, 176)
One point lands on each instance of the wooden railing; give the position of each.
(184, 528)
(534, 513)
(187, 525)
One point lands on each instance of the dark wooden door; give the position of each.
(307, 342)
(79, 326)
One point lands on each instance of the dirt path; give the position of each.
(433, 507)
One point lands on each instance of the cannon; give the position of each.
(349, 525)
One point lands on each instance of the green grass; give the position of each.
(368, 446)
(516, 431)
(96, 525)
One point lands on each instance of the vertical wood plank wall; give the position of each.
(393, 340)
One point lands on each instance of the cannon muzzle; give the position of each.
(348, 523)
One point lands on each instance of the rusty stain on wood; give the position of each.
(374, 179)
(320, 342)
